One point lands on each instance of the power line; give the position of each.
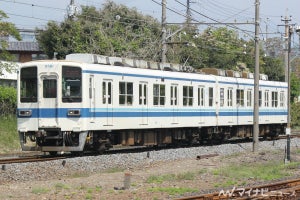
(217, 21)
(33, 5)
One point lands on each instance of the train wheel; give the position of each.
(101, 149)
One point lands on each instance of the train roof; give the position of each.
(94, 62)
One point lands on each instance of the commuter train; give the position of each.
(92, 103)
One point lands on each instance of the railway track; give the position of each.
(288, 190)
(42, 158)
(29, 159)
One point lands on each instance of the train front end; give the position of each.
(50, 107)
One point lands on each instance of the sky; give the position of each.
(29, 14)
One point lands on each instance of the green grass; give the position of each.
(173, 190)
(171, 177)
(60, 186)
(40, 190)
(9, 138)
(238, 174)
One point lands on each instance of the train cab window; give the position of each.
(222, 97)
(49, 88)
(266, 98)
(259, 98)
(201, 96)
(210, 96)
(240, 97)
(281, 99)
(229, 97)
(28, 84)
(188, 95)
(125, 93)
(249, 98)
(71, 84)
(159, 94)
(274, 99)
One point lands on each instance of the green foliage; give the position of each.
(265, 171)
(116, 30)
(274, 68)
(7, 29)
(61, 186)
(9, 134)
(40, 190)
(171, 177)
(8, 100)
(100, 32)
(295, 87)
(295, 115)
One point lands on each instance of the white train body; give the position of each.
(74, 106)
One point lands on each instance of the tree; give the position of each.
(113, 31)
(7, 29)
(116, 30)
(274, 68)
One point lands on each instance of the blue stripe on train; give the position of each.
(86, 112)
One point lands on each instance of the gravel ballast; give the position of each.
(58, 169)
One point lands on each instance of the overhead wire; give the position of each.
(217, 21)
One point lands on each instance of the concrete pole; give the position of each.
(164, 32)
(256, 81)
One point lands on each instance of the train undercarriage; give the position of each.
(54, 140)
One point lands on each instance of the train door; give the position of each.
(143, 101)
(48, 101)
(201, 103)
(174, 103)
(92, 98)
(231, 111)
(240, 104)
(107, 101)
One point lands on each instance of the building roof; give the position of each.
(24, 46)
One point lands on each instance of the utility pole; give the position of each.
(164, 32)
(286, 21)
(288, 33)
(266, 42)
(188, 13)
(256, 81)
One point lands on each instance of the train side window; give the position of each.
(174, 96)
(274, 99)
(210, 96)
(281, 99)
(222, 97)
(188, 95)
(267, 98)
(229, 97)
(249, 98)
(259, 98)
(201, 95)
(159, 94)
(143, 93)
(125, 93)
(240, 97)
